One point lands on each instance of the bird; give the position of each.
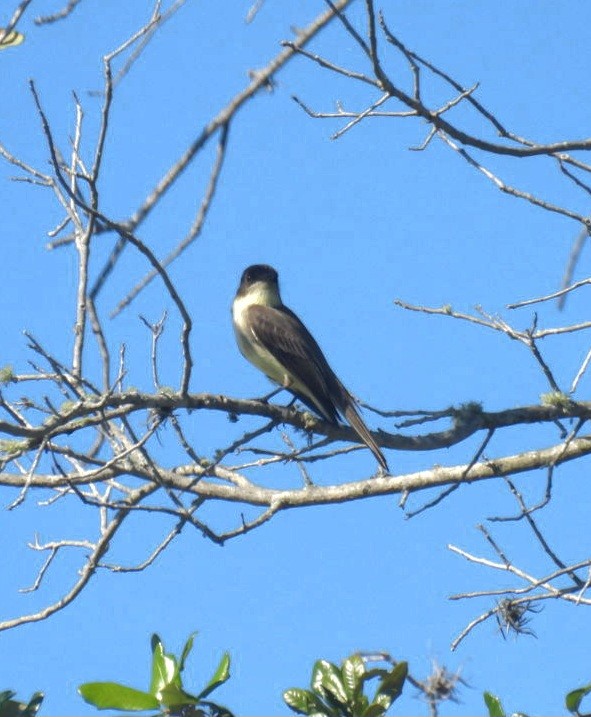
(274, 340)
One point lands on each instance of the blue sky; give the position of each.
(351, 225)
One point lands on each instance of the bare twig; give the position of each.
(86, 571)
(573, 260)
(59, 15)
(196, 227)
(16, 16)
(260, 80)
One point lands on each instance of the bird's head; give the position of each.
(260, 282)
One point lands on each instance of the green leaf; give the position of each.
(360, 704)
(164, 668)
(156, 682)
(374, 710)
(11, 708)
(304, 702)
(392, 684)
(574, 698)
(187, 650)
(384, 700)
(174, 696)
(113, 696)
(34, 703)
(352, 671)
(5, 698)
(12, 39)
(218, 678)
(14, 708)
(495, 708)
(317, 673)
(326, 679)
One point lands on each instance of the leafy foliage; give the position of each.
(493, 703)
(166, 692)
(13, 708)
(574, 698)
(340, 692)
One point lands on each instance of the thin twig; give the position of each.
(549, 297)
(196, 227)
(59, 15)
(16, 16)
(573, 260)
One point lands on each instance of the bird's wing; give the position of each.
(282, 333)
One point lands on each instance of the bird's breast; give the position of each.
(250, 347)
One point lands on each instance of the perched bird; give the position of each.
(274, 339)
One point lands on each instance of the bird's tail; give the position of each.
(356, 422)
